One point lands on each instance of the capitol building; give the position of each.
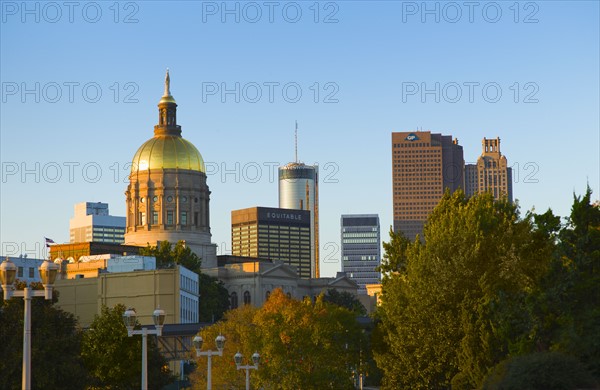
(167, 196)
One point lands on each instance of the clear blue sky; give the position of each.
(367, 61)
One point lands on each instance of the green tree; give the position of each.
(114, 360)
(55, 345)
(167, 255)
(540, 371)
(214, 299)
(456, 306)
(346, 300)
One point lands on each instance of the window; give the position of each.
(234, 300)
(20, 272)
(267, 295)
(155, 217)
(31, 271)
(247, 298)
(170, 217)
(142, 218)
(196, 218)
(184, 218)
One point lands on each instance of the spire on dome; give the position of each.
(167, 84)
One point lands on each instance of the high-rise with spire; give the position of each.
(299, 189)
(167, 196)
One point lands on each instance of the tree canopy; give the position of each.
(114, 360)
(296, 340)
(168, 255)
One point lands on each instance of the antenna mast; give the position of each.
(296, 141)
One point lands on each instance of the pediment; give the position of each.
(280, 271)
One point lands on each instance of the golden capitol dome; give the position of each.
(167, 149)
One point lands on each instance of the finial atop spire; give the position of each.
(167, 84)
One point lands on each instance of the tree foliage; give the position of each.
(114, 360)
(214, 299)
(540, 371)
(346, 300)
(454, 305)
(55, 345)
(168, 255)
(303, 345)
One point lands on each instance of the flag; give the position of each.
(49, 241)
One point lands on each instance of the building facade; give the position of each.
(424, 165)
(275, 234)
(168, 197)
(491, 173)
(361, 249)
(74, 251)
(175, 290)
(299, 189)
(92, 222)
(251, 280)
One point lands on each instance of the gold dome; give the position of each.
(167, 152)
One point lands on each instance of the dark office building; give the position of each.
(274, 234)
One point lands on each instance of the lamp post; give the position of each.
(220, 342)
(238, 361)
(129, 318)
(8, 273)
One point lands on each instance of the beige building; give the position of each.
(168, 197)
(174, 290)
(491, 173)
(251, 280)
(424, 165)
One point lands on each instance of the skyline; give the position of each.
(370, 69)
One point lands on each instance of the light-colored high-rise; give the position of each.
(299, 189)
(92, 223)
(424, 165)
(491, 173)
(361, 249)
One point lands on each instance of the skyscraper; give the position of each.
(168, 197)
(424, 165)
(92, 223)
(299, 189)
(361, 249)
(491, 173)
(275, 234)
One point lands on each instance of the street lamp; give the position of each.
(129, 318)
(238, 361)
(8, 273)
(220, 341)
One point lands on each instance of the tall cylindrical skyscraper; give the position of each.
(299, 189)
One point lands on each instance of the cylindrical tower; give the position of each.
(299, 189)
(167, 197)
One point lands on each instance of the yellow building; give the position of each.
(175, 290)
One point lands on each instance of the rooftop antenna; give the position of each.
(296, 141)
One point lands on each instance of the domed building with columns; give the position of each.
(167, 196)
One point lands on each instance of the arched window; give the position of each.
(267, 295)
(234, 300)
(247, 299)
